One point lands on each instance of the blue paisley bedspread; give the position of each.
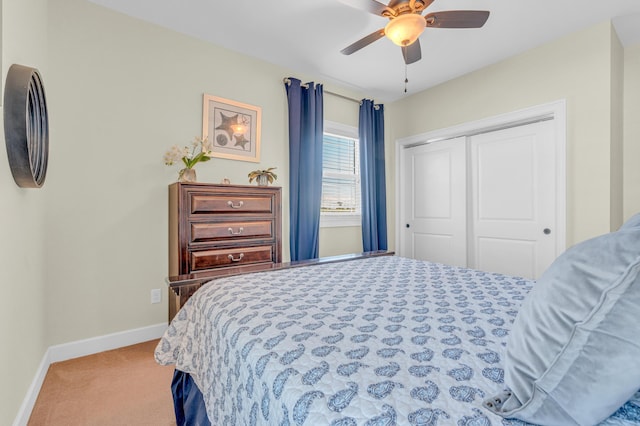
(379, 341)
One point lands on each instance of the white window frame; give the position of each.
(328, 220)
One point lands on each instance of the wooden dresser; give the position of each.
(212, 227)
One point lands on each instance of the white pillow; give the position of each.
(573, 354)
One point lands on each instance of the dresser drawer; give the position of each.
(234, 256)
(208, 222)
(201, 203)
(222, 231)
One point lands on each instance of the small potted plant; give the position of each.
(263, 177)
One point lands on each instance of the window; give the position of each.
(340, 176)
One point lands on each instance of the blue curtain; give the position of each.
(372, 176)
(305, 167)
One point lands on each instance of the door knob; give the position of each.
(408, 226)
(547, 231)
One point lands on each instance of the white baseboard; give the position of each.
(107, 342)
(32, 394)
(77, 349)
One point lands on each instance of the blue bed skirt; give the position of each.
(187, 401)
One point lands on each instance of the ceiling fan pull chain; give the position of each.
(406, 80)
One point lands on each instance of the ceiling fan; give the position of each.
(406, 23)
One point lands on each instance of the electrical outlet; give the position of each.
(156, 295)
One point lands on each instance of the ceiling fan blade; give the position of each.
(365, 41)
(457, 19)
(412, 53)
(371, 6)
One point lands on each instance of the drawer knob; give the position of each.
(236, 259)
(240, 230)
(235, 206)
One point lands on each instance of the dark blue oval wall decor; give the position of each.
(26, 126)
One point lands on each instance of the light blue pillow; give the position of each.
(573, 354)
(633, 222)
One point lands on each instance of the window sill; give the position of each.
(330, 221)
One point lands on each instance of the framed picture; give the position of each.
(233, 128)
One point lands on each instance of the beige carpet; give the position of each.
(120, 387)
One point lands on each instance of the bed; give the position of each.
(377, 341)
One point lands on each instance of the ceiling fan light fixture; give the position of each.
(405, 29)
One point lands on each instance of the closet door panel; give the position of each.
(513, 200)
(434, 188)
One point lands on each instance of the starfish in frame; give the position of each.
(227, 123)
(241, 141)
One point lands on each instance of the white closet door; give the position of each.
(434, 196)
(513, 200)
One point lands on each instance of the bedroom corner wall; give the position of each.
(577, 68)
(617, 105)
(22, 305)
(631, 148)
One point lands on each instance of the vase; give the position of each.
(263, 180)
(187, 175)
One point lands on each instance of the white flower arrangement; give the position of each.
(199, 150)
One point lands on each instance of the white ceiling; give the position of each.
(306, 36)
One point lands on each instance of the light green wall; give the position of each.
(631, 147)
(122, 91)
(576, 68)
(80, 256)
(22, 230)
